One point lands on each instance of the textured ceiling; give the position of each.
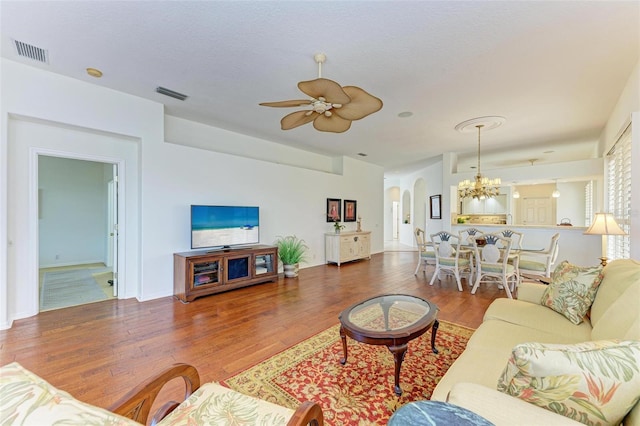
(553, 69)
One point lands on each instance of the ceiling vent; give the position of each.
(171, 93)
(32, 52)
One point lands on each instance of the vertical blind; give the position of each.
(619, 194)
(588, 203)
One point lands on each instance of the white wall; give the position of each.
(429, 180)
(162, 180)
(571, 203)
(27, 139)
(72, 211)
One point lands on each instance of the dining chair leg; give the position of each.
(476, 285)
(506, 285)
(457, 273)
(435, 274)
(418, 267)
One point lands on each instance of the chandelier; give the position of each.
(481, 187)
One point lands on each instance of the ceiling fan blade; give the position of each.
(325, 88)
(361, 105)
(283, 104)
(298, 118)
(333, 123)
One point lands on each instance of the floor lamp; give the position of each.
(604, 224)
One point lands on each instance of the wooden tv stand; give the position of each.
(201, 273)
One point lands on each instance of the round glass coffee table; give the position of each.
(392, 320)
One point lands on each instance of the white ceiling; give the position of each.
(553, 69)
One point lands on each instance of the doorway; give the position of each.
(77, 224)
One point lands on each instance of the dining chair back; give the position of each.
(540, 262)
(467, 233)
(516, 237)
(492, 263)
(448, 257)
(426, 253)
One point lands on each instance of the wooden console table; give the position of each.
(347, 246)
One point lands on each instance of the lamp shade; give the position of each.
(604, 224)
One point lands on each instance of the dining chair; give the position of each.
(516, 243)
(540, 262)
(448, 256)
(465, 235)
(516, 237)
(426, 253)
(492, 263)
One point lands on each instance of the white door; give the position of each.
(536, 211)
(112, 251)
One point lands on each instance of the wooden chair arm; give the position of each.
(163, 411)
(308, 413)
(137, 403)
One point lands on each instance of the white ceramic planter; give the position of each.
(290, 271)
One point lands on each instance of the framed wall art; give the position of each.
(334, 213)
(350, 210)
(435, 206)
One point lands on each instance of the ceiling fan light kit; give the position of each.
(333, 107)
(481, 187)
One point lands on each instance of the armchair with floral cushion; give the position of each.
(27, 399)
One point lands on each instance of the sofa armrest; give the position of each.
(502, 409)
(137, 403)
(531, 292)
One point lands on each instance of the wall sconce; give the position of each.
(604, 224)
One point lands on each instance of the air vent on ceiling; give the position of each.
(32, 52)
(171, 93)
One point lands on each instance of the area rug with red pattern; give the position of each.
(361, 391)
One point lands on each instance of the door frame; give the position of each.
(33, 261)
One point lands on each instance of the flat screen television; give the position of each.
(224, 226)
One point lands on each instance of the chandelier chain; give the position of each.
(481, 187)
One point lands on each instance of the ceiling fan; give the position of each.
(333, 107)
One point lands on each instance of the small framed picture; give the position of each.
(350, 210)
(334, 213)
(435, 206)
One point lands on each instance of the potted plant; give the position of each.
(337, 226)
(291, 251)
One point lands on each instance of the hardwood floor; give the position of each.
(100, 351)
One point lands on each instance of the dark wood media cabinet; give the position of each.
(201, 273)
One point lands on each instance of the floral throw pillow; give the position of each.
(572, 290)
(595, 383)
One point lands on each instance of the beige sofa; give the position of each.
(472, 380)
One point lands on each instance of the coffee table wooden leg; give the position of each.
(398, 356)
(343, 336)
(434, 330)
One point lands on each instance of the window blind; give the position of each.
(619, 194)
(588, 203)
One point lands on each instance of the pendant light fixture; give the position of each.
(481, 187)
(556, 193)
